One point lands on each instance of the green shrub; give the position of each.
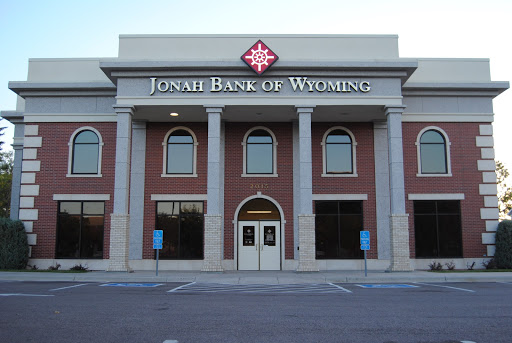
(503, 254)
(13, 244)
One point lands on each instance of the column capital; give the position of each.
(13, 117)
(139, 124)
(124, 109)
(394, 109)
(214, 108)
(305, 108)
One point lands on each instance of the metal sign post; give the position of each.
(158, 237)
(364, 238)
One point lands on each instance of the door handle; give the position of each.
(256, 246)
(261, 247)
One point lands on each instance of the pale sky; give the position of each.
(437, 28)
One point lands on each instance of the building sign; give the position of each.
(259, 57)
(293, 84)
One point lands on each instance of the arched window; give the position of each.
(180, 153)
(433, 152)
(260, 153)
(85, 149)
(339, 152)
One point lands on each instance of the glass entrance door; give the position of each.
(259, 245)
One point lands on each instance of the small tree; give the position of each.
(6, 165)
(13, 244)
(503, 254)
(504, 191)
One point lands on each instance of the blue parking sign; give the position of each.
(365, 246)
(158, 233)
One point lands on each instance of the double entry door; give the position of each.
(259, 245)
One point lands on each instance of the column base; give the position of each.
(119, 238)
(212, 244)
(307, 261)
(399, 235)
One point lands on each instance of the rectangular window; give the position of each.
(182, 224)
(338, 224)
(437, 226)
(80, 226)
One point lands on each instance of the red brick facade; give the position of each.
(52, 180)
(237, 188)
(54, 166)
(466, 178)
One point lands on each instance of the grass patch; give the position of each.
(42, 271)
(472, 271)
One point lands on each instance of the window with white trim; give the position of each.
(259, 153)
(433, 149)
(85, 151)
(339, 153)
(180, 153)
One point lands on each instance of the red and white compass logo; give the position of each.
(259, 57)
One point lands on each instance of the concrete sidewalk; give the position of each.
(260, 277)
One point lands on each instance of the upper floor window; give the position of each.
(180, 153)
(260, 153)
(339, 152)
(433, 152)
(85, 147)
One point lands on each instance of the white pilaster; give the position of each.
(399, 221)
(120, 218)
(306, 218)
(213, 218)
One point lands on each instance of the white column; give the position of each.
(213, 218)
(17, 146)
(138, 172)
(120, 218)
(399, 221)
(306, 218)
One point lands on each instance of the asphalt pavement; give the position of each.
(262, 277)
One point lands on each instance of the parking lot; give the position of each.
(208, 312)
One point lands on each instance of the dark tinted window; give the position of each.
(437, 226)
(85, 153)
(433, 153)
(80, 227)
(338, 150)
(337, 227)
(180, 153)
(259, 153)
(182, 224)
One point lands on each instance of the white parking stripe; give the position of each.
(258, 288)
(58, 289)
(456, 288)
(508, 283)
(346, 290)
(177, 288)
(25, 295)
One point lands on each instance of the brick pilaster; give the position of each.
(212, 243)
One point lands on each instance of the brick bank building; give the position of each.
(255, 153)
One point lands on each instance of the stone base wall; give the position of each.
(119, 243)
(399, 236)
(212, 243)
(307, 262)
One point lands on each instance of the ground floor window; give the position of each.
(80, 226)
(437, 227)
(182, 223)
(337, 226)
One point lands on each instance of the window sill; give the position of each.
(259, 175)
(340, 175)
(178, 175)
(84, 175)
(434, 175)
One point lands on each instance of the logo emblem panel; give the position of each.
(259, 57)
